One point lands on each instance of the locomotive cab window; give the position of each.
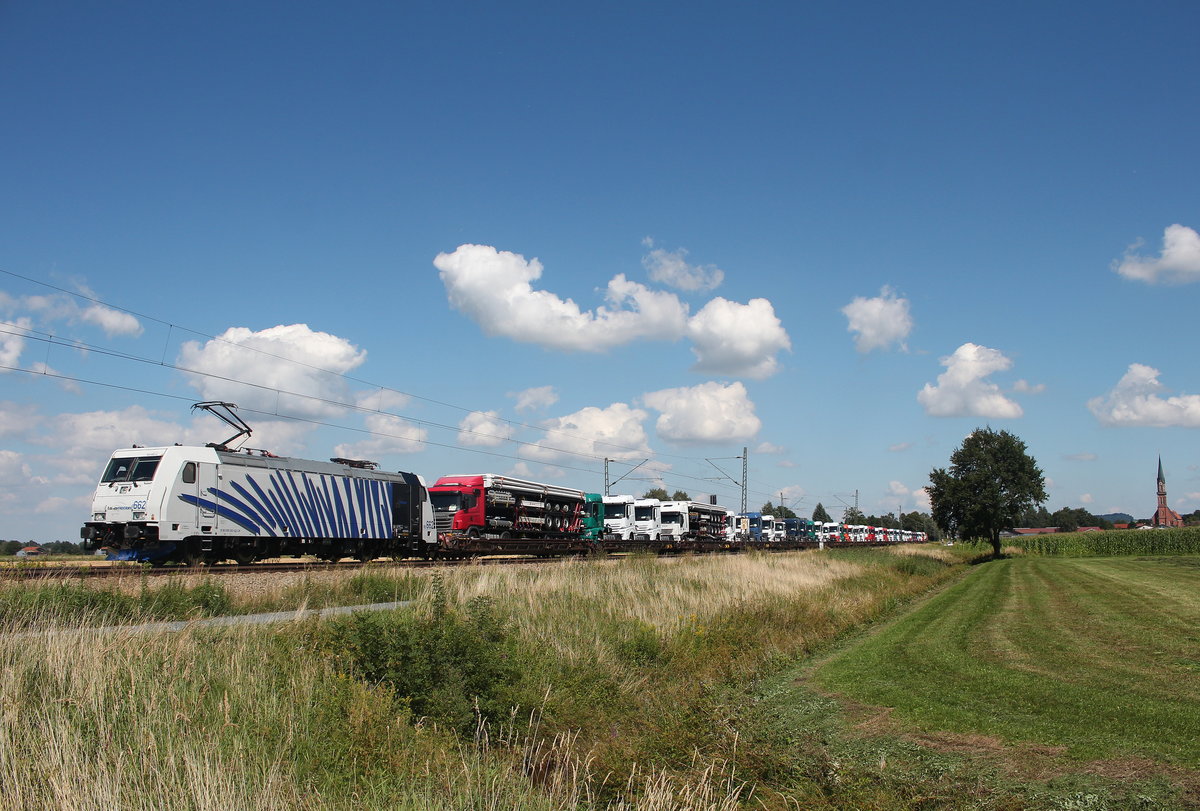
(189, 473)
(117, 471)
(143, 469)
(140, 469)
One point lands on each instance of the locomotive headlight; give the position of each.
(97, 516)
(139, 515)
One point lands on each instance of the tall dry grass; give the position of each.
(626, 662)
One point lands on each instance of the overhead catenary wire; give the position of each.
(51, 340)
(350, 378)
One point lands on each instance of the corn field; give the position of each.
(1183, 541)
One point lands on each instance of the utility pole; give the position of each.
(745, 475)
(607, 485)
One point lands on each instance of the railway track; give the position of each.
(50, 571)
(64, 572)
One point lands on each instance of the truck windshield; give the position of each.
(445, 501)
(131, 469)
(616, 511)
(673, 518)
(643, 513)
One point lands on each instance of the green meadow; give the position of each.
(1037, 671)
(912, 677)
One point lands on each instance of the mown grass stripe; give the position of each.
(1092, 655)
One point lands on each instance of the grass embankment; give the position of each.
(602, 684)
(1086, 671)
(51, 602)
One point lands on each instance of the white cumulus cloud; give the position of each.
(249, 367)
(113, 322)
(671, 268)
(963, 390)
(14, 470)
(18, 418)
(389, 435)
(1137, 400)
(495, 289)
(921, 498)
(729, 338)
(381, 399)
(1025, 387)
(104, 431)
(535, 399)
(62, 307)
(615, 432)
(709, 412)
(484, 429)
(880, 321)
(1179, 262)
(12, 343)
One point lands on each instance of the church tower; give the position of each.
(1164, 516)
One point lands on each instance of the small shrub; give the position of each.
(378, 588)
(636, 642)
(918, 565)
(448, 666)
(175, 600)
(29, 604)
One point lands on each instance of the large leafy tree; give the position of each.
(820, 515)
(991, 482)
(778, 511)
(853, 515)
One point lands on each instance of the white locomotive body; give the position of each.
(204, 504)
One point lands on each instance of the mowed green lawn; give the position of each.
(1098, 655)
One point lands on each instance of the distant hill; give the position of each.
(1118, 518)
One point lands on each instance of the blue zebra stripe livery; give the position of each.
(299, 504)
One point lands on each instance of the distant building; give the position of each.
(30, 552)
(1164, 516)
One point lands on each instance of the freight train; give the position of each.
(207, 504)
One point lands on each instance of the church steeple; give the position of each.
(1164, 516)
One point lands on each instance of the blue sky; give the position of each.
(525, 237)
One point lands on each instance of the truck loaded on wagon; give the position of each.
(691, 525)
(489, 513)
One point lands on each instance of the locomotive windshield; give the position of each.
(131, 469)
